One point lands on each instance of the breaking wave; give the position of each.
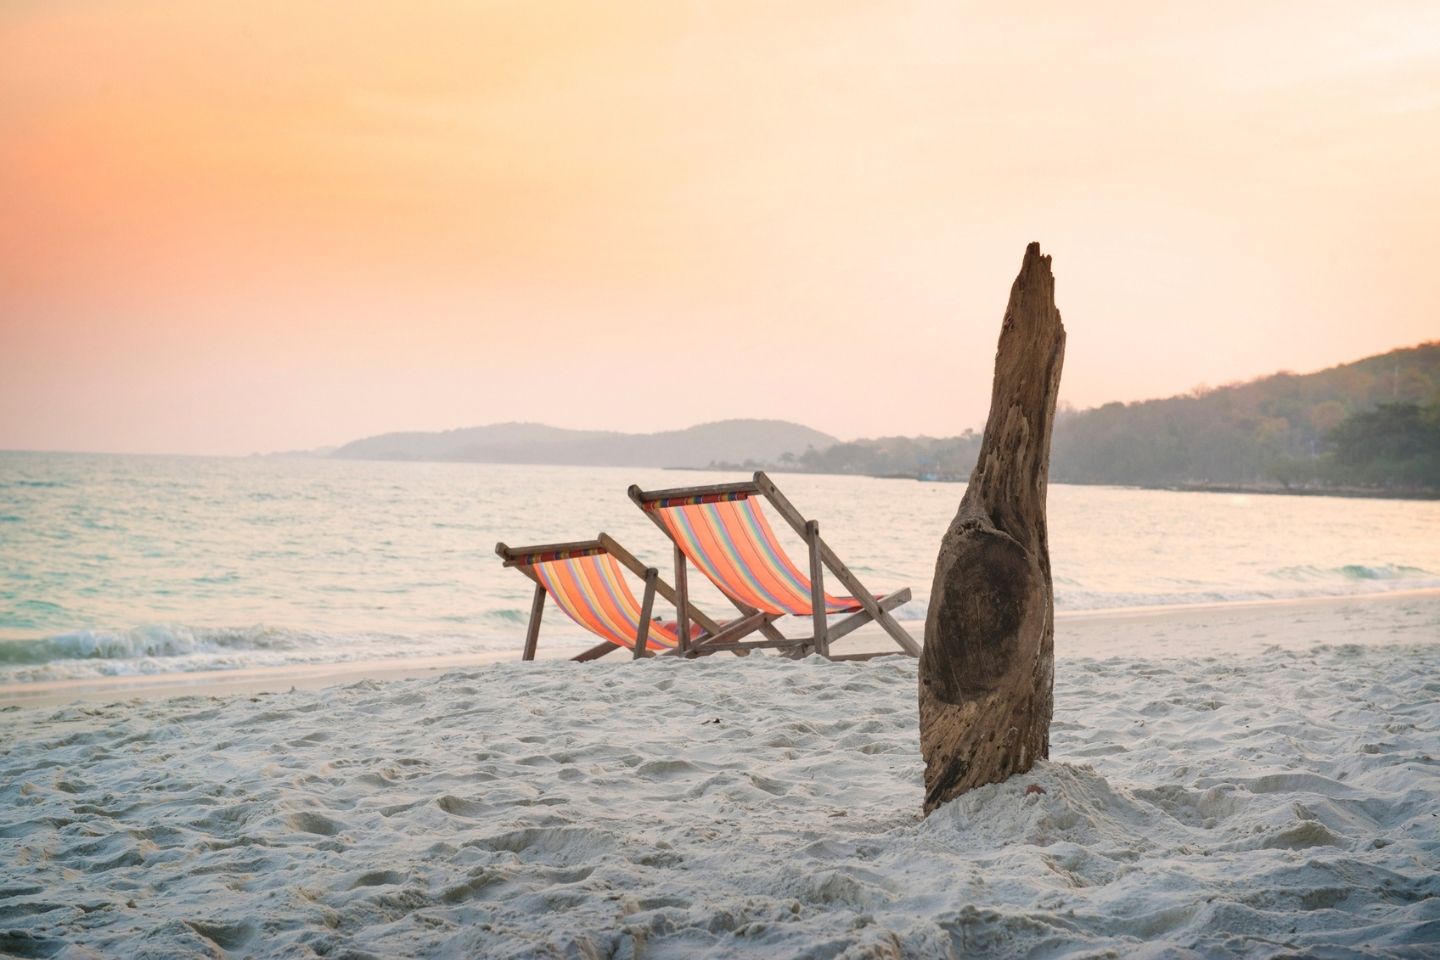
(1285, 583)
(158, 640)
(1354, 572)
(173, 648)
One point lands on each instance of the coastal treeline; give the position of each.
(1394, 444)
(1370, 424)
(1286, 430)
(930, 458)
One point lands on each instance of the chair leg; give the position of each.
(817, 588)
(646, 605)
(532, 630)
(682, 602)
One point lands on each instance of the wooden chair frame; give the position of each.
(717, 636)
(821, 558)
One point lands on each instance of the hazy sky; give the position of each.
(228, 227)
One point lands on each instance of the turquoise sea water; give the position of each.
(128, 564)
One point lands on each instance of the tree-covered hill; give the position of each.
(1277, 429)
(1372, 424)
(536, 443)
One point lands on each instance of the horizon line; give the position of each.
(1192, 393)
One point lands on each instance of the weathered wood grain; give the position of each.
(987, 667)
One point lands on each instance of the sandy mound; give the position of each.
(1274, 805)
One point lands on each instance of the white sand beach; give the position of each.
(1245, 780)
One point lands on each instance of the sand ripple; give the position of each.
(1278, 805)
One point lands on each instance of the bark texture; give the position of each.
(987, 670)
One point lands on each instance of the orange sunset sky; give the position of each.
(228, 227)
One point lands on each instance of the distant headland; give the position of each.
(1367, 428)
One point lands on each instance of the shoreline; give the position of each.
(1234, 627)
(1420, 494)
(1348, 493)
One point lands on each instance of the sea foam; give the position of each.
(155, 640)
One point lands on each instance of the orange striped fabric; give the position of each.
(732, 543)
(593, 592)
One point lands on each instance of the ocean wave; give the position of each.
(1085, 600)
(1286, 583)
(34, 484)
(155, 640)
(173, 648)
(1352, 572)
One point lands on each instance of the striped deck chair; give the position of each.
(724, 533)
(586, 581)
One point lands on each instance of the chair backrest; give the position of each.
(726, 536)
(588, 584)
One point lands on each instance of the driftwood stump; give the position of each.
(987, 670)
